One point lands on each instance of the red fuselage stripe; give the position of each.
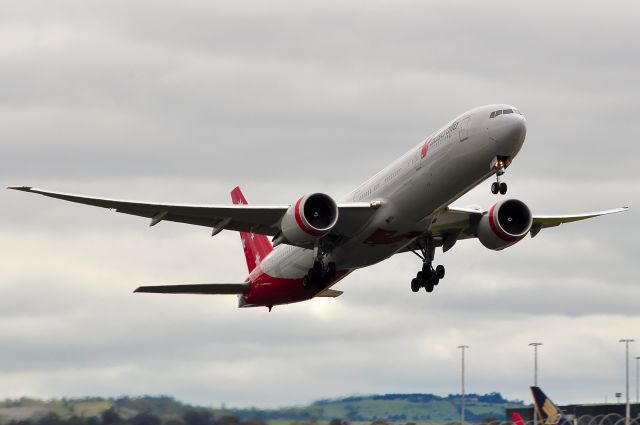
(268, 290)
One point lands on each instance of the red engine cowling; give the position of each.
(310, 218)
(506, 223)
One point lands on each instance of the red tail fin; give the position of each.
(517, 419)
(256, 247)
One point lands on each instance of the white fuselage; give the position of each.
(415, 189)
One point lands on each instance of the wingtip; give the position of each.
(22, 188)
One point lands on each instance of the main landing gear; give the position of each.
(428, 277)
(498, 186)
(319, 274)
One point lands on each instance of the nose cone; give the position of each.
(508, 132)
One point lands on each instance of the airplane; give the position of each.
(517, 419)
(547, 411)
(406, 207)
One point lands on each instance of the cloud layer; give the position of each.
(181, 102)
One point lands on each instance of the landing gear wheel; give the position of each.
(495, 188)
(428, 277)
(415, 285)
(503, 188)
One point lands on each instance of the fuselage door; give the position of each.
(464, 129)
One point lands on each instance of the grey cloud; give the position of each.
(159, 102)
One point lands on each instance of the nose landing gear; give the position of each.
(497, 186)
(428, 277)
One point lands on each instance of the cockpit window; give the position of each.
(504, 111)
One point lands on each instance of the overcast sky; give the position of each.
(181, 101)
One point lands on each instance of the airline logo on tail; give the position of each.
(547, 411)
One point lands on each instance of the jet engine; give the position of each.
(310, 218)
(506, 223)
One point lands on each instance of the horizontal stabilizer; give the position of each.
(329, 293)
(199, 289)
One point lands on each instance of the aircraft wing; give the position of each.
(456, 223)
(543, 221)
(461, 220)
(260, 219)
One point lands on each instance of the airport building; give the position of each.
(592, 413)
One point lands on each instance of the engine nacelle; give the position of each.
(310, 218)
(506, 223)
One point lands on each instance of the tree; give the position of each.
(145, 419)
(197, 417)
(110, 416)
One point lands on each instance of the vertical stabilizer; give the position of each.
(547, 411)
(517, 419)
(256, 247)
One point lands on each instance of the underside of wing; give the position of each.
(198, 289)
(258, 219)
(456, 220)
(247, 218)
(456, 223)
(543, 221)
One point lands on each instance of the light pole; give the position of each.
(535, 346)
(463, 347)
(627, 415)
(637, 380)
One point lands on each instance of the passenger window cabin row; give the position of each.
(504, 111)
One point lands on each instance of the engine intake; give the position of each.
(506, 223)
(310, 218)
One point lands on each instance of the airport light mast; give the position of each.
(627, 415)
(637, 380)
(462, 347)
(535, 346)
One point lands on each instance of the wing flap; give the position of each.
(198, 289)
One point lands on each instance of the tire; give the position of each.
(440, 271)
(415, 285)
(420, 277)
(503, 188)
(428, 288)
(317, 267)
(495, 188)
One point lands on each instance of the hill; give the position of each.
(394, 407)
(386, 407)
